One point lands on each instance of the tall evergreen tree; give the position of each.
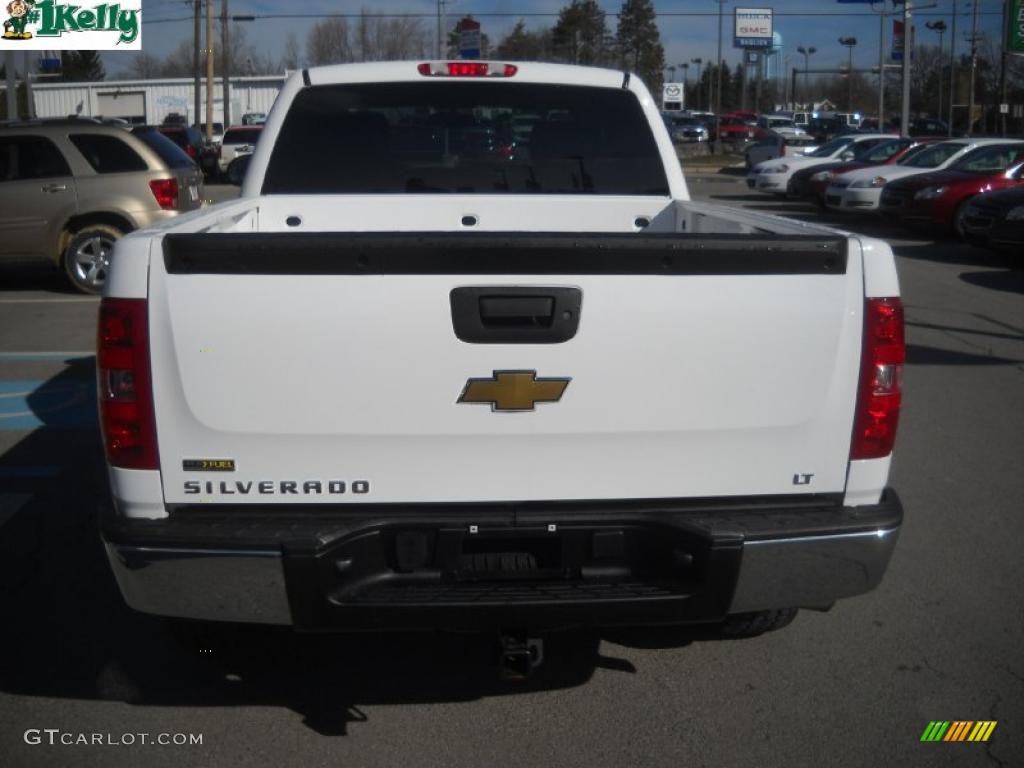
(581, 34)
(78, 66)
(523, 45)
(639, 43)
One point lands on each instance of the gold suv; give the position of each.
(69, 188)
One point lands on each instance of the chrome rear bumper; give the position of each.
(774, 558)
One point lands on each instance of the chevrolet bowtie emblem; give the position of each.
(513, 390)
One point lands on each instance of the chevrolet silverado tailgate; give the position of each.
(327, 368)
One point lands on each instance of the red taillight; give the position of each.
(881, 379)
(166, 193)
(124, 388)
(191, 151)
(466, 69)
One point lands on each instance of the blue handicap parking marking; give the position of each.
(56, 404)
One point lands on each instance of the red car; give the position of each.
(940, 199)
(734, 127)
(750, 117)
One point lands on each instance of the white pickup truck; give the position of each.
(428, 373)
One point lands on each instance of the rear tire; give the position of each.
(958, 219)
(742, 625)
(86, 260)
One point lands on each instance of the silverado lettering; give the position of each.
(269, 487)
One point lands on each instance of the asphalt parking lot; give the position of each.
(941, 639)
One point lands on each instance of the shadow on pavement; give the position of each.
(1019, 336)
(69, 634)
(35, 276)
(1011, 280)
(950, 251)
(921, 355)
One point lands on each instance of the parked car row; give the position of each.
(949, 186)
(213, 157)
(70, 187)
(731, 127)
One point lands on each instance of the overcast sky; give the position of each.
(689, 28)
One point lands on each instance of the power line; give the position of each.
(549, 14)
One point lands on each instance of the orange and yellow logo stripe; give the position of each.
(958, 730)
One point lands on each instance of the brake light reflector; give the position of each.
(124, 387)
(166, 193)
(881, 379)
(465, 69)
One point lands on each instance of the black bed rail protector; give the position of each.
(262, 526)
(502, 253)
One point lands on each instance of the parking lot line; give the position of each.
(76, 300)
(35, 470)
(29, 405)
(46, 355)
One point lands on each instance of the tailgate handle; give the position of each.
(515, 314)
(517, 310)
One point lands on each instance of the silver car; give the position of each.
(685, 129)
(69, 188)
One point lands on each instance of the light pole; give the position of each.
(940, 27)
(807, 58)
(974, 67)
(671, 74)
(442, 31)
(908, 59)
(718, 64)
(788, 98)
(225, 66)
(226, 88)
(698, 61)
(881, 68)
(952, 69)
(849, 42)
(197, 77)
(209, 70)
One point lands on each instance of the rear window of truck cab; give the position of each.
(465, 138)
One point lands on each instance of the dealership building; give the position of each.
(150, 101)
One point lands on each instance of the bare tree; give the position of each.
(142, 66)
(292, 56)
(328, 43)
(377, 39)
(178, 63)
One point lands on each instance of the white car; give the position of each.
(778, 145)
(860, 190)
(238, 140)
(780, 124)
(772, 176)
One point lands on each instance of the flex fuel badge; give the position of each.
(208, 465)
